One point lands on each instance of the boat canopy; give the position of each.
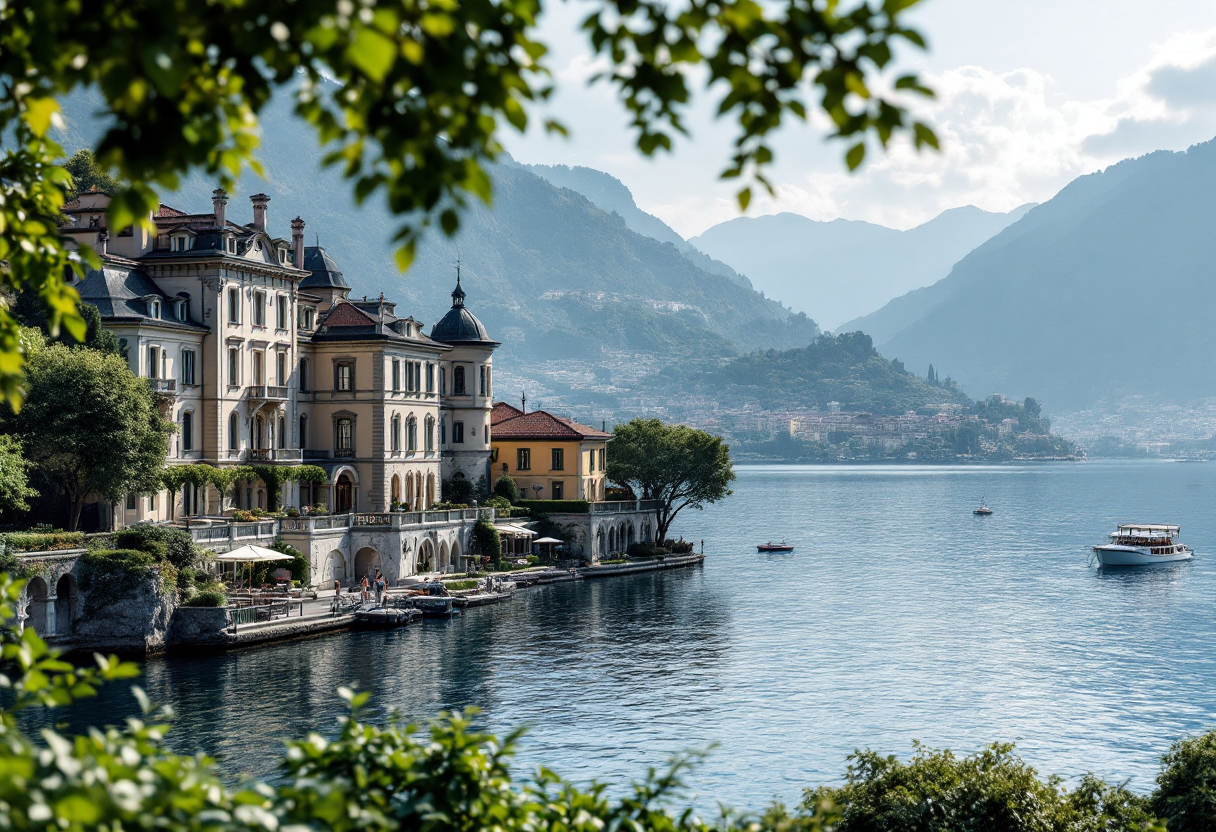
(1148, 529)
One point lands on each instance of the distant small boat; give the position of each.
(983, 510)
(775, 547)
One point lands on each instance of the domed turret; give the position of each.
(459, 325)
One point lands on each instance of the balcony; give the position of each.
(274, 455)
(267, 393)
(163, 386)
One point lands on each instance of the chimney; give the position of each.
(219, 199)
(260, 201)
(523, 402)
(297, 243)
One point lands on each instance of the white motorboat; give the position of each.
(1139, 544)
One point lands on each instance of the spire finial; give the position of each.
(457, 293)
(523, 401)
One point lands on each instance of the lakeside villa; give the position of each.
(259, 355)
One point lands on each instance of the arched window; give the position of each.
(411, 430)
(458, 381)
(395, 432)
(429, 436)
(282, 437)
(187, 432)
(233, 427)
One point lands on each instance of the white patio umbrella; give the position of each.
(251, 554)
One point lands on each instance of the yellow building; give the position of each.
(550, 458)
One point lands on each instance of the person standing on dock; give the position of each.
(363, 589)
(381, 586)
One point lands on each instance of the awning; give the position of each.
(514, 530)
(252, 554)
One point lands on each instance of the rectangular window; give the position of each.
(591, 461)
(280, 321)
(259, 367)
(443, 381)
(306, 318)
(523, 459)
(443, 432)
(131, 502)
(281, 373)
(557, 490)
(396, 374)
(304, 375)
(484, 380)
(234, 305)
(343, 434)
(430, 378)
(558, 461)
(259, 309)
(602, 459)
(188, 368)
(153, 362)
(344, 377)
(457, 433)
(234, 366)
(187, 431)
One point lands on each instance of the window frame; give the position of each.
(557, 459)
(458, 381)
(259, 309)
(187, 431)
(282, 312)
(234, 304)
(457, 433)
(189, 367)
(523, 459)
(344, 371)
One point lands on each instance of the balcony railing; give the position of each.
(313, 453)
(267, 392)
(397, 519)
(613, 506)
(163, 386)
(273, 455)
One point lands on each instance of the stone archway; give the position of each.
(344, 494)
(599, 543)
(426, 554)
(367, 561)
(65, 605)
(444, 552)
(454, 557)
(630, 539)
(35, 611)
(335, 566)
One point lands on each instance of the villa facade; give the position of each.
(259, 355)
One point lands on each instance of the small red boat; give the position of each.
(775, 547)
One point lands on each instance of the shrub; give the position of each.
(506, 488)
(207, 599)
(499, 503)
(174, 545)
(555, 506)
(292, 512)
(51, 541)
(486, 541)
(1186, 786)
(449, 506)
(457, 490)
(646, 550)
(678, 547)
(298, 564)
(459, 585)
(243, 516)
(533, 560)
(319, 508)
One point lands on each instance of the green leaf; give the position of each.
(39, 112)
(405, 256)
(744, 197)
(372, 52)
(855, 156)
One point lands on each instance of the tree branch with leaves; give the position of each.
(409, 99)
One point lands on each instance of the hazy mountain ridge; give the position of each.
(843, 269)
(610, 194)
(1099, 293)
(618, 291)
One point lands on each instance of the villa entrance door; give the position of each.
(344, 495)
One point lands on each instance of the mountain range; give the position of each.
(1104, 291)
(585, 293)
(843, 269)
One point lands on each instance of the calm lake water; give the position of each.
(900, 616)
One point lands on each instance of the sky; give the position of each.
(1030, 95)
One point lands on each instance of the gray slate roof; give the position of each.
(118, 292)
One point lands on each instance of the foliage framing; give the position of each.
(406, 97)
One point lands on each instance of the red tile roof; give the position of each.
(541, 425)
(503, 411)
(346, 314)
(166, 211)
